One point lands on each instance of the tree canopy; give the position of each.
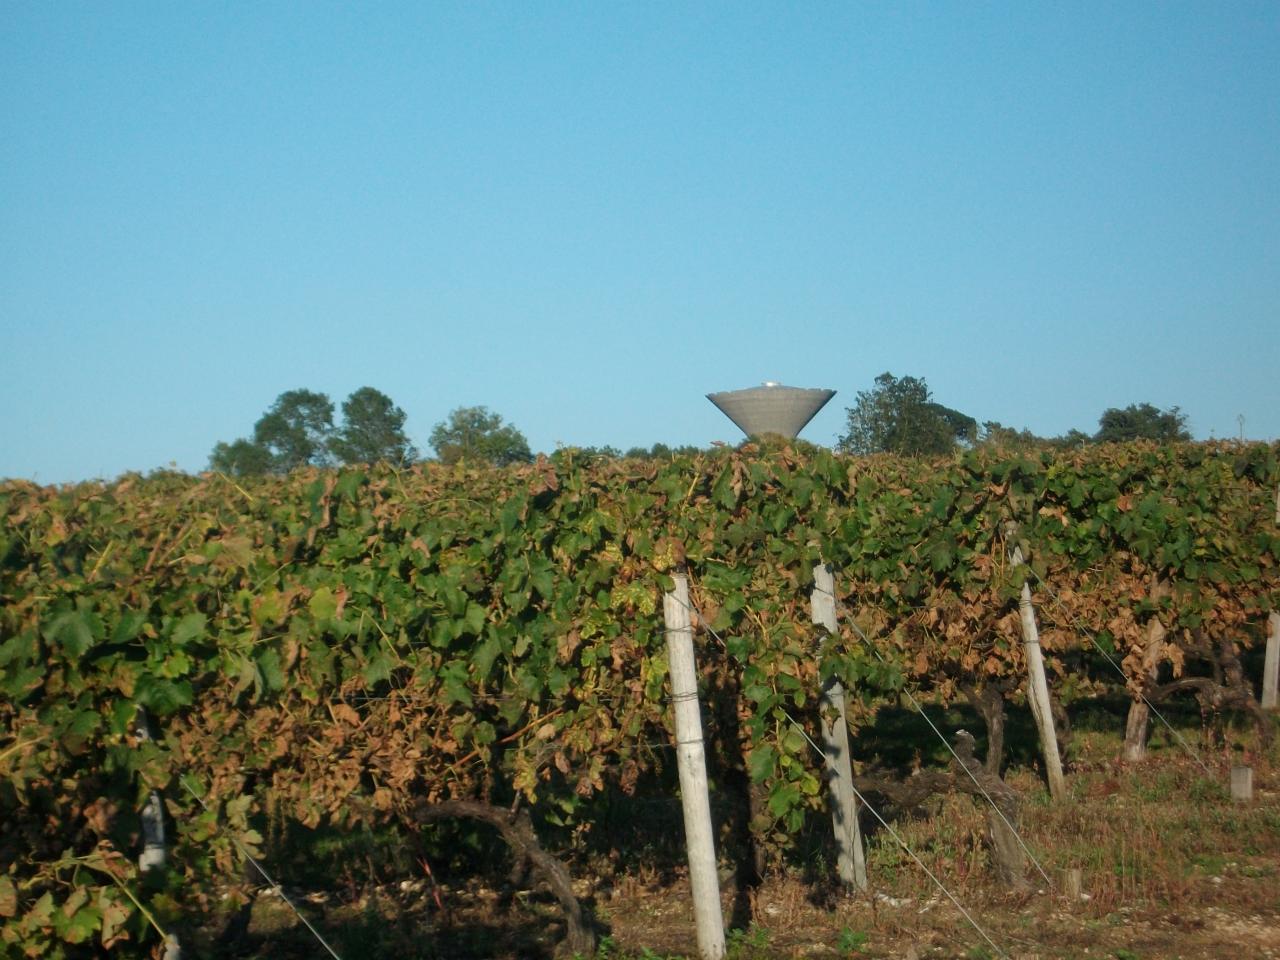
(372, 431)
(475, 433)
(661, 451)
(1138, 421)
(298, 430)
(900, 416)
(1141, 421)
(295, 431)
(240, 458)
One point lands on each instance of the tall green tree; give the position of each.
(476, 434)
(1142, 421)
(296, 430)
(241, 458)
(900, 416)
(372, 431)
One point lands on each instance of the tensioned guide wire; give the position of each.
(902, 843)
(1080, 628)
(265, 876)
(963, 766)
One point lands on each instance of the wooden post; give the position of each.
(1071, 883)
(1241, 784)
(851, 862)
(1271, 666)
(1038, 690)
(692, 763)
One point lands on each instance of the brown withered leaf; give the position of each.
(343, 713)
(629, 777)
(100, 815)
(567, 644)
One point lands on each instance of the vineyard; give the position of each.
(439, 656)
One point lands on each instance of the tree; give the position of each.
(1141, 421)
(964, 429)
(661, 451)
(243, 458)
(1071, 440)
(996, 434)
(584, 454)
(900, 416)
(372, 431)
(473, 433)
(295, 432)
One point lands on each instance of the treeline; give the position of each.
(898, 415)
(299, 430)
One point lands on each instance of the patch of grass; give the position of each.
(1208, 862)
(852, 941)
(749, 943)
(1160, 787)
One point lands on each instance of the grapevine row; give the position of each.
(352, 647)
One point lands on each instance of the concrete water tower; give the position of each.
(771, 408)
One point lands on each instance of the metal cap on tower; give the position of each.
(771, 408)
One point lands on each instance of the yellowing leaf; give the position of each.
(323, 605)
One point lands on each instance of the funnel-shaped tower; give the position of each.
(771, 408)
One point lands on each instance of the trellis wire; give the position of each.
(262, 870)
(902, 843)
(963, 766)
(1075, 622)
(941, 886)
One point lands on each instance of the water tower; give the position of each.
(771, 408)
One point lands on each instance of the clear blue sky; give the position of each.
(588, 216)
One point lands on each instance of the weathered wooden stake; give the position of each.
(851, 861)
(1271, 666)
(1241, 784)
(1038, 690)
(692, 763)
(1071, 883)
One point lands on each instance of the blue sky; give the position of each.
(587, 216)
